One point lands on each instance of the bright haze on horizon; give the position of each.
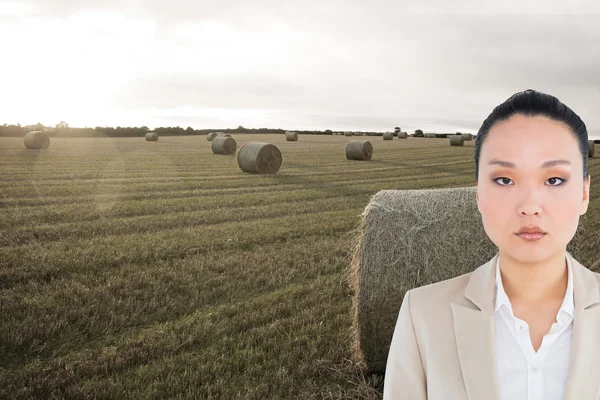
(434, 65)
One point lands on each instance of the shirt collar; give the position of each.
(567, 306)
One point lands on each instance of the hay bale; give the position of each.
(590, 148)
(467, 136)
(37, 140)
(388, 136)
(223, 145)
(402, 135)
(358, 134)
(291, 136)
(211, 136)
(356, 150)
(259, 158)
(151, 137)
(429, 135)
(347, 133)
(456, 140)
(412, 238)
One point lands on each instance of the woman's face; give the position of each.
(529, 194)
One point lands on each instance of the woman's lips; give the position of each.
(531, 236)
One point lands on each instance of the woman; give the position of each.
(526, 324)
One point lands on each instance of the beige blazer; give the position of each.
(443, 343)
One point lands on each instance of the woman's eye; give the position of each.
(555, 179)
(551, 180)
(503, 179)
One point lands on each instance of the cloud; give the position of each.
(311, 64)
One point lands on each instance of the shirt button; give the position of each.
(534, 368)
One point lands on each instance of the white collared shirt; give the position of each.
(524, 374)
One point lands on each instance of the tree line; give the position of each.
(63, 130)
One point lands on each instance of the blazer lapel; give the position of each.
(474, 331)
(583, 379)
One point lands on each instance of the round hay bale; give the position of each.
(412, 238)
(402, 135)
(37, 140)
(456, 140)
(259, 158)
(291, 136)
(347, 133)
(223, 145)
(590, 148)
(429, 135)
(358, 134)
(357, 150)
(388, 136)
(211, 136)
(467, 136)
(151, 137)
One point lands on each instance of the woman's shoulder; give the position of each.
(442, 292)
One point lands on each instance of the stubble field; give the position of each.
(153, 270)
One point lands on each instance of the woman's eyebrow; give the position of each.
(547, 164)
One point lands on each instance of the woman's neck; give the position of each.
(534, 282)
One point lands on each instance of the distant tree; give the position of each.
(62, 124)
(38, 127)
(418, 133)
(189, 129)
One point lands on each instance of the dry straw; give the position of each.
(457, 140)
(590, 148)
(411, 238)
(37, 140)
(259, 158)
(211, 136)
(291, 136)
(223, 145)
(151, 137)
(388, 136)
(357, 150)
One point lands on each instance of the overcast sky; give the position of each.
(311, 64)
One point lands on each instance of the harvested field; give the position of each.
(167, 272)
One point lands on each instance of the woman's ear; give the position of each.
(586, 195)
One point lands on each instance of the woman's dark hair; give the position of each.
(533, 103)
